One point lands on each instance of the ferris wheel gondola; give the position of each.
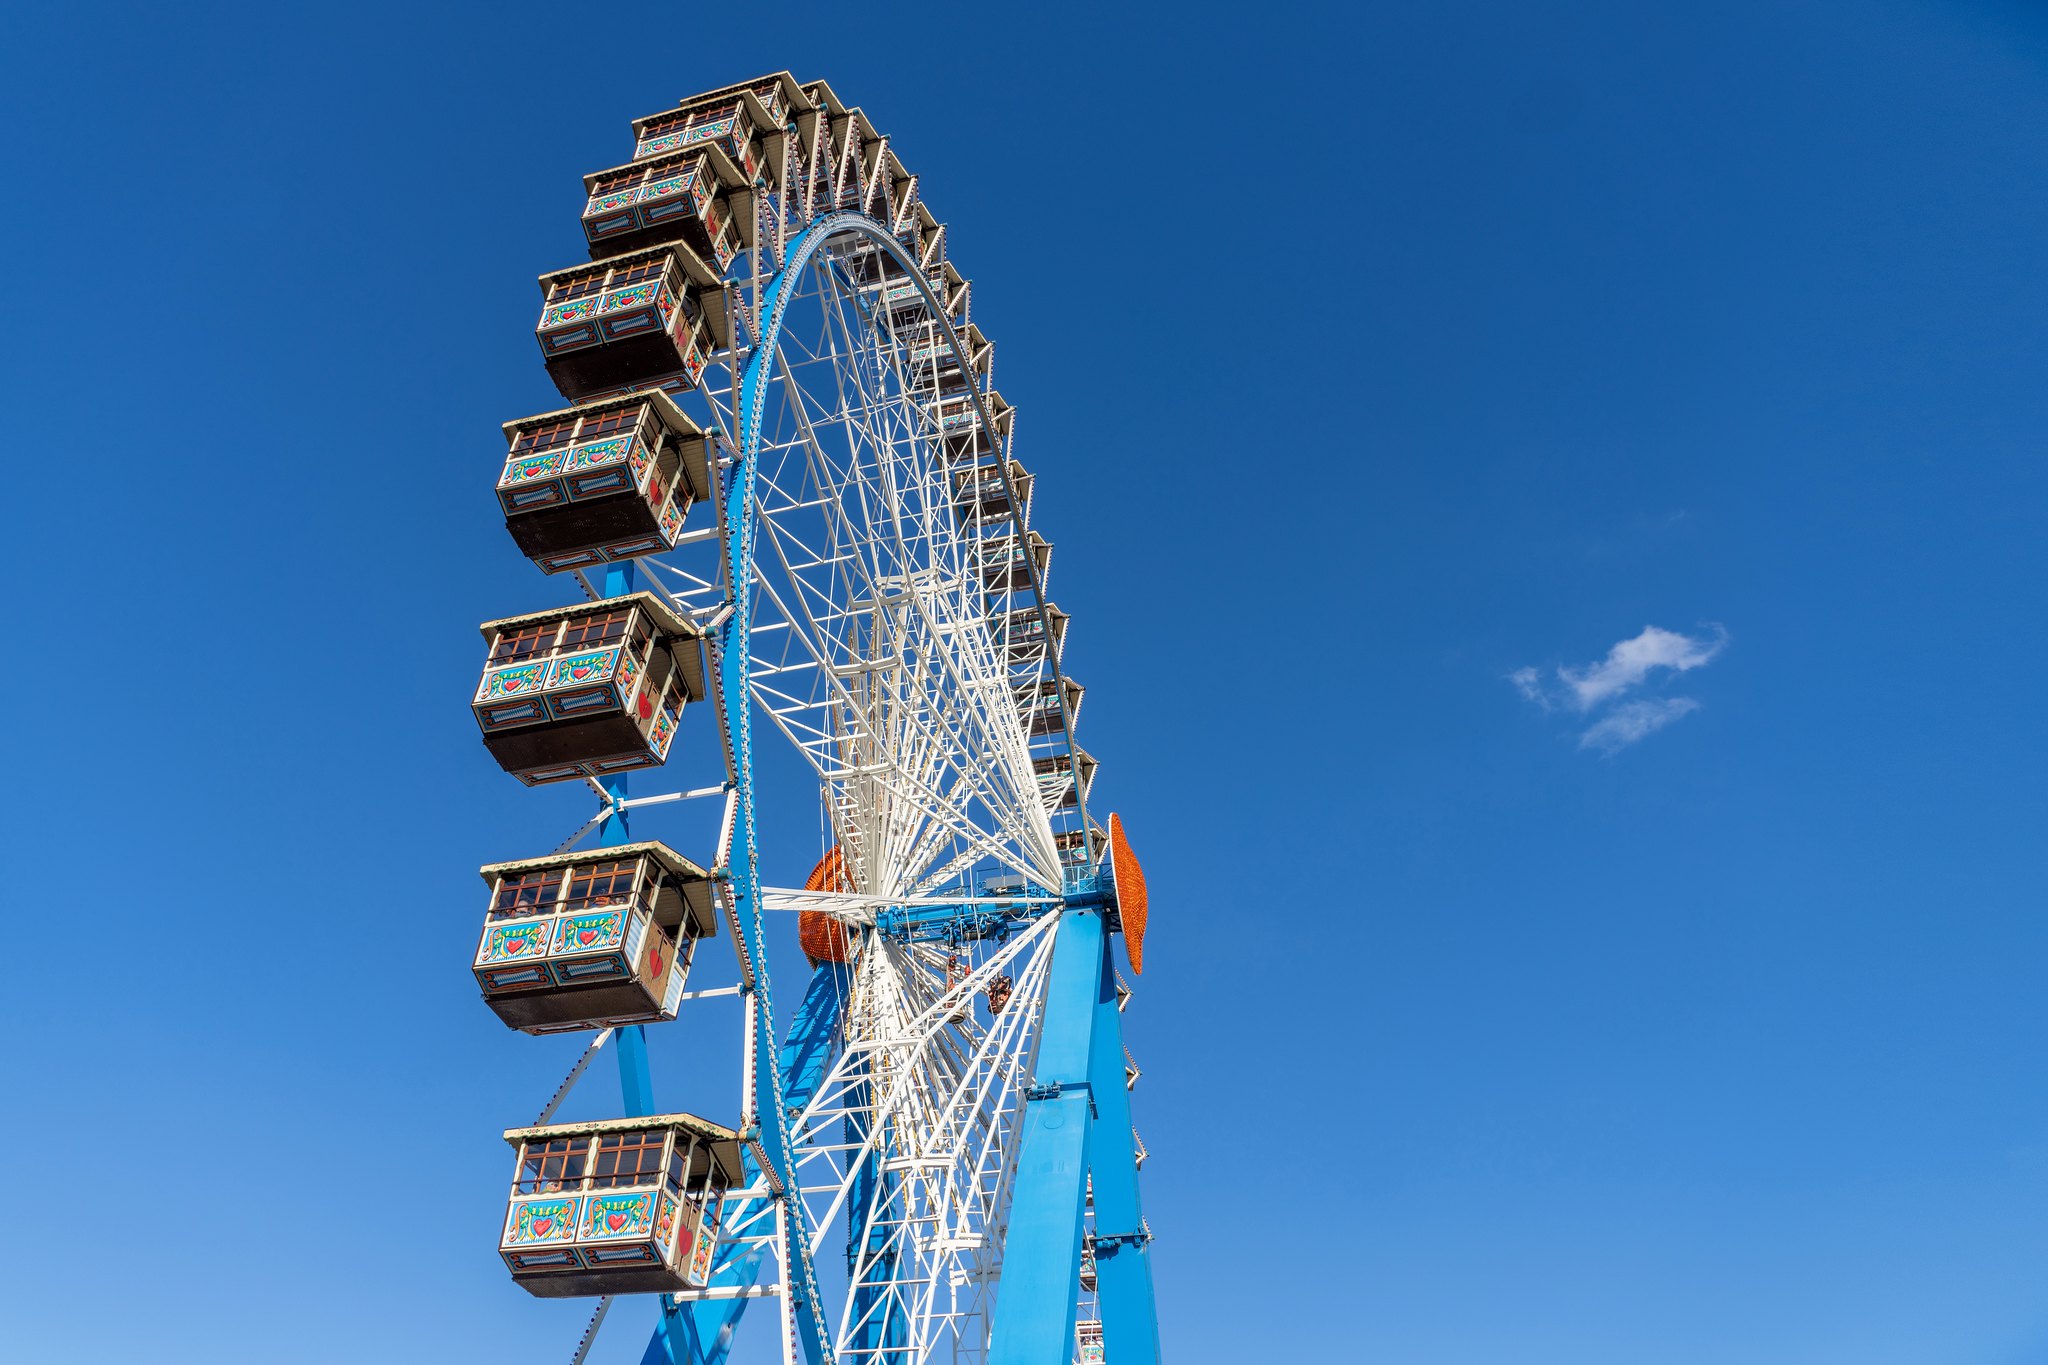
(788, 486)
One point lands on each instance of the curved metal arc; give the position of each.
(769, 1117)
(935, 306)
(736, 702)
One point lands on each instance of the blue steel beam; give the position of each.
(1123, 1256)
(736, 704)
(879, 1328)
(1042, 1254)
(635, 1080)
(702, 1331)
(962, 921)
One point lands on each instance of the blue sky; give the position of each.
(1412, 391)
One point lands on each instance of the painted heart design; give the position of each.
(515, 945)
(542, 1226)
(615, 1221)
(654, 961)
(587, 937)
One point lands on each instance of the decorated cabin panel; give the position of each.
(906, 304)
(644, 204)
(703, 1244)
(730, 124)
(617, 1207)
(628, 322)
(618, 1229)
(1072, 845)
(1022, 634)
(773, 101)
(586, 691)
(954, 415)
(1039, 705)
(970, 441)
(584, 940)
(982, 495)
(607, 482)
(540, 1234)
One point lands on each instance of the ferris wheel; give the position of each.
(788, 490)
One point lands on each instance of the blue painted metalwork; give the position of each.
(703, 1331)
(634, 1077)
(877, 1324)
(1042, 1255)
(963, 921)
(635, 1080)
(1123, 1258)
(618, 581)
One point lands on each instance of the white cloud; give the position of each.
(1596, 688)
(1631, 721)
(1633, 660)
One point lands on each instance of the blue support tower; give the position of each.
(1123, 1264)
(1042, 1254)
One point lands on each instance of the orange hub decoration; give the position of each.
(1129, 880)
(822, 937)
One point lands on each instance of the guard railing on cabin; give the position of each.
(588, 690)
(621, 1206)
(606, 481)
(591, 938)
(629, 321)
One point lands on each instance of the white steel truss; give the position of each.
(923, 1100)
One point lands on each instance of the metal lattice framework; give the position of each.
(873, 594)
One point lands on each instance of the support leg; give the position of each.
(634, 1078)
(1042, 1256)
(1123, 1265)
(702, 1332)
